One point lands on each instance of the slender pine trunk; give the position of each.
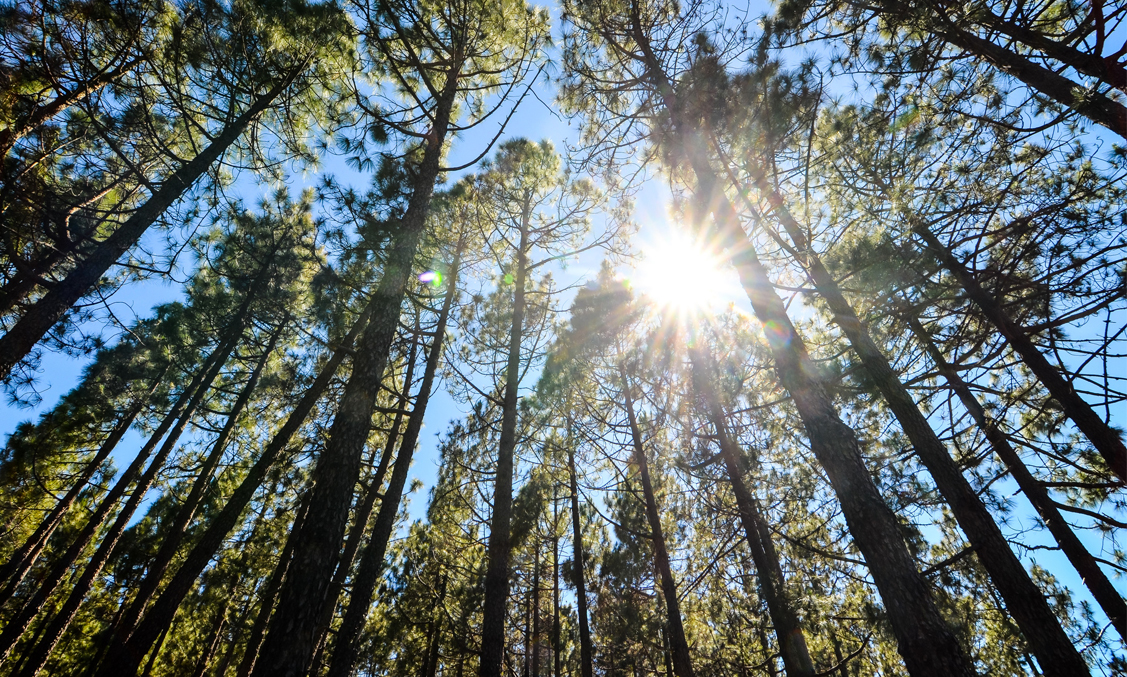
(216, 635)
(772, 583)
(1024, 600)
(179, 528)
(1085, 564)
(679, 645)
(124, 658)
(32, 606)
(53, 306)
(372, 560)
(40, 652)
(500, 546)
(586, 653)
(1106, 440)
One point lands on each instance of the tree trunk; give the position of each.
(50, 309)
(772, 583)
(364, 511)
(1024, 600)
(557, 655)
(216, 635)
(38, 655)
(586, 658)
(926, 643)
(24, 559)
(176, 532)
(500, 539)
(1090, 572)
(1103, 437)
(536, 632)
(124, 659)
(371, 562)
(679, 645)
(21, 619)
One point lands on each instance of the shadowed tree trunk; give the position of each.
(53, 306)
(372, 560)
(126, 655)
(772, 583)
(586, 657)
(678, 644)
(1106, 440)
(1090, 572)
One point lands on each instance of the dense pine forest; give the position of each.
(773, 339)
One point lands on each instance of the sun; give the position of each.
(682, 274)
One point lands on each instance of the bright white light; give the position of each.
(681, 274)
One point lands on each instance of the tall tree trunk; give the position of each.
(1024, 600)
(1090, 572)
(557, 654)
(50, 309)
(38, 655)
(772, 583)
(270, 592)
(926, 643)
(372, 560)
(364, 511)
(216, 635)
(586, 657)
(1106, 440)
(124, 658)
(679, 645)
(288, 648)
(31, 607)
(536, 632)
(500, 546)
(176, 532)
(25, 558)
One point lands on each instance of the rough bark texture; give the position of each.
(371, 562)
(1107, 441)
(772, 583)
(586, 653)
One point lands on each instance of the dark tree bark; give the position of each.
(586, 653)
(500, 546)
(179, 528)
(372, 560)
(926, 643)
(216, 635)
(37, 656)
(53, 306)
(124, 658)
(1106, 440)
(772, 583)
(678, 644)
(1085, 564)
(25, 558)
(288, 648)
(1024, 600)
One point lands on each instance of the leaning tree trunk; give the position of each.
(500, 546)
(1024, 600)
(586, 658)
(372, 560)
(679, 645)
(20, 620)
(24, 559)
(179, 528)
(1103, 437)
(364, 510)
(1090, 572)
(772, 583)
(125, 658)
(38, 655)
(50, 309)
(925, 641)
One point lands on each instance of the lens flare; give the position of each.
(681, 274)
(431, 277)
